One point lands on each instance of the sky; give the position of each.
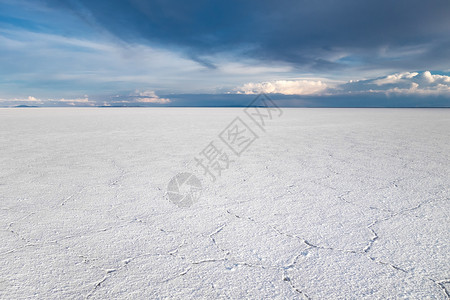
(302, 53)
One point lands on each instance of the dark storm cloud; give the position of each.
(319, 35)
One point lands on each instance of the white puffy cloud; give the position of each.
(416, 89)
(149, 97)
(286, 87)
(31, 98)
(407, 83)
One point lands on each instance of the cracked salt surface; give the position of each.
(328, 204)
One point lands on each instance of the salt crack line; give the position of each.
(118, 178)
(217, 231)
(372, 240)
(177, 276)
(109, 272)
(441, 285)
(72, 196)
(394, 214)
(306, 242)
(175, 251)
(287, 277)
(19, 236)
(99, 283)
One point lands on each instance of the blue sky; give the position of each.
(221, 53)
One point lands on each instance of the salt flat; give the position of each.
(324, 204)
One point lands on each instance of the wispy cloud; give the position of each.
(77, 101)
(26, 99)
(137, 98)
(319, 36)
